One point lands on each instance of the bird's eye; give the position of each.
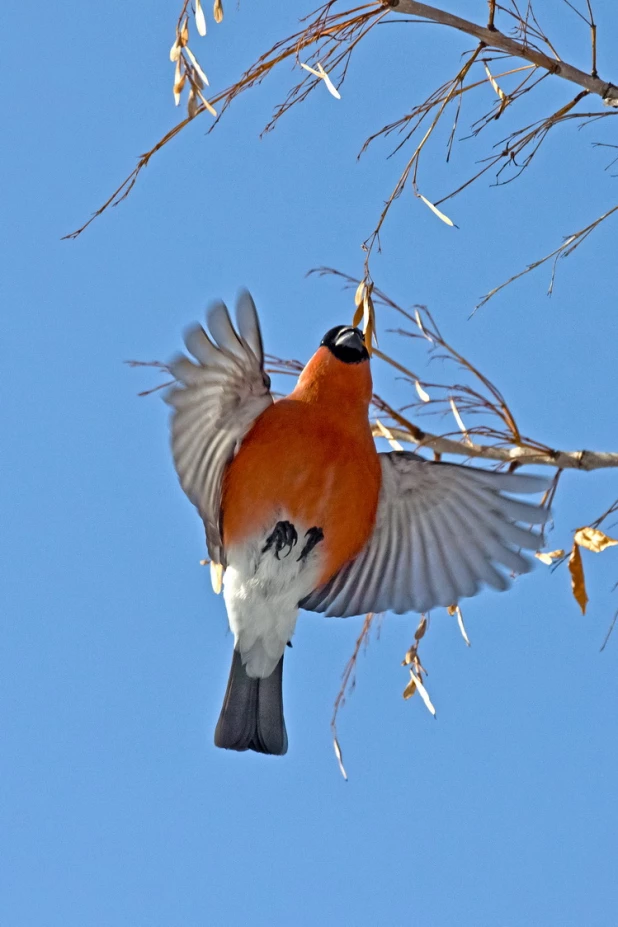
(266, 381)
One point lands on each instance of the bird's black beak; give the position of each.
(351, 338)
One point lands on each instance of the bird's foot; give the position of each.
(314, 536)
(284, 535)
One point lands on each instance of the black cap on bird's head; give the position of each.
(346, 343)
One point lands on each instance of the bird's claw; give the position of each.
(314, 536)
(284, 535)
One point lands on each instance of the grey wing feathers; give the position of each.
(442, 530)
(218, 397)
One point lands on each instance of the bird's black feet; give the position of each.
(313, 536)
(284, 535)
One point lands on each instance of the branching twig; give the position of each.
(332, 36)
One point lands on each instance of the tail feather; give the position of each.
(252, 713)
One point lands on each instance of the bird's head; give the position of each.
(339, 371)
(347, 344)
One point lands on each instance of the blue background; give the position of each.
(115, 807)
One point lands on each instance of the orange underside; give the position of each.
(312, 457)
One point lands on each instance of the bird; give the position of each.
(301, 511)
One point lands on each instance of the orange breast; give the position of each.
(315, 461)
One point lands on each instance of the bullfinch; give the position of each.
(301, 511)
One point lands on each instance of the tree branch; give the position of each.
(493, 38)
(562, 460)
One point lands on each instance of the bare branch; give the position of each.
(332, 37)
(509, 445)
(562, 460)
(567, 247)
(496, 39)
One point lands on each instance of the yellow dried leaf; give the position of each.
(424, 694)
(175, 51)
(422, 627)
(367, 307)
(192, 104)
(179, 82)
(217, 11)
(548, 556)
(578, 583)
(183, 37)
(435, 210)
(216, 576)
(358, 317)
(421, 392)
(593, 539)
(386, 433)
(409, 690)
(493, 83)
(368, 318)
(200, 19)
(358, 296)
(410, 656)
(370, 337)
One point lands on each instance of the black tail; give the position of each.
(252, 713)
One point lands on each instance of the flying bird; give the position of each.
(301, 511)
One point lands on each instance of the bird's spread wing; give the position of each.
(217, 399)
(440, 531)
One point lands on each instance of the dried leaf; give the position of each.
(216, 576)
(200, 19)
(339, 756)
(421, 392)
(593, 539)
(422, 627)
(329, 84)
(209, 106)
(459, 420)
(217, 11)
(358, 296)
(386, 433)
(462, 626)
(548, 556)
(368, 318)
(493, 83)
(578, 583)
(197, 66)
(204, 562)
(409, 690)
(435, 209)
(424, 694)
(183, 37)
(370, 336)
(179, 82)
(419, 322)
(311, 70)
(192, 104)
(321, 73)
(175, 51)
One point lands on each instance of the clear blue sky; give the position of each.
(116, 810)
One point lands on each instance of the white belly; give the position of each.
(262, 594)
